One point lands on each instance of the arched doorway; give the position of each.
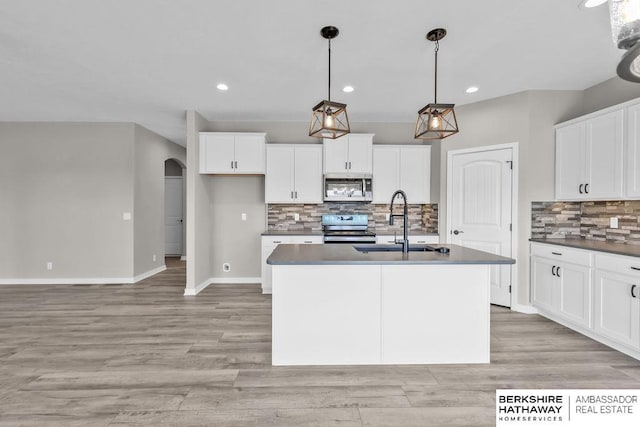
(174, 211)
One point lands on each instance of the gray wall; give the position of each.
(63, 190)
(150, 153)
(610, 92)
(172, 168)
(199, 219)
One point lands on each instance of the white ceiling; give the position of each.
(147, 61)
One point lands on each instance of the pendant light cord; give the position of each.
(329, 84)
(435, 82)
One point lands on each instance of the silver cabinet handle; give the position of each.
(586, 188)
(231, 164)
(295, 194)
(558, 271)
(635, 268)
(553, 270)
(292, 194)
(235, 164)
(556, 253)
(349, 165)
(580, 189)
(633, 291)
(346, 165)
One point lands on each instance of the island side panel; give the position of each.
(435, 314)
(326, 315)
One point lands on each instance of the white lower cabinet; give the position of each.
(270, 242)
(426, 239)
(562, 288)
(617, 300)
(596, 293)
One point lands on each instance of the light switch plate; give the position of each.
(244, 216)
(126, 216)
(613, 222)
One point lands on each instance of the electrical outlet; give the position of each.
(226, 267)
(296, 217)
(613, 222)
(49, 265)
(386, 216)
(243, 216)
(126, 216)
(154, 257)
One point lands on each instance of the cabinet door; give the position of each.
(278, 181)
(603, 139)
(575, 294)
(360, 154)
(216, 153)
(249, 154)
(543, 284)
(415, 176)
(632, 157)
(617, 314)
(308, 174)
(266, 269)
(335, 155)
(570, 162)
(386, 173)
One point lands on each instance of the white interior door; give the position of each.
(480, 210)
(173, 215)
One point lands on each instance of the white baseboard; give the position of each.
(524, 309)
(85, 280)
(236, 280)
(183, 258)
(221, 281)
(149, 273)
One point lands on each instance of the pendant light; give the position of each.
(625, 28)
(329, 119)
(436, 121)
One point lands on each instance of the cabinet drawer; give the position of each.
(275, 240)
(562, 254)
(618, 264)
(428, 240)
(306, 239)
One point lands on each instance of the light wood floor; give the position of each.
(145, 355)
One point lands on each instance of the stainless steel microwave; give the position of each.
(348, 188)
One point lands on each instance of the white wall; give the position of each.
(150, 153)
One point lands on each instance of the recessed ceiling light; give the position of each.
(222, 86)
(347, 89)
(587, 4)
(472, 89)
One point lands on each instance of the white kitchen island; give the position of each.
(333, 305)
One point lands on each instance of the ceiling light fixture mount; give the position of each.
(436, 121)
(329, 119)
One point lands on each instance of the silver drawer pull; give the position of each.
(308, 241)
(277, 241)
(635, 268)
(422, 241)
(556, 253)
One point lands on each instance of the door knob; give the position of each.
(179, 220)
(456, 232)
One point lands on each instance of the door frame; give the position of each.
(514, 204)
(182, 208)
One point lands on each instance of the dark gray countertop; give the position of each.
(336, 254)
(300, 232)
(312, 232)
(594, 245)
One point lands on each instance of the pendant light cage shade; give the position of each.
(329, 120)
(625, 29)
(436, 121)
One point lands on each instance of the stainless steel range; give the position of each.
(347, 229)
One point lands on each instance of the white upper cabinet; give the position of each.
(349, 154)
(232, 153)
(402, 167)
(589, 158)
(632, 153)
(294, 173)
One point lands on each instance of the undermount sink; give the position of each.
(393, 248)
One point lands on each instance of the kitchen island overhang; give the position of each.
(334, 305)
